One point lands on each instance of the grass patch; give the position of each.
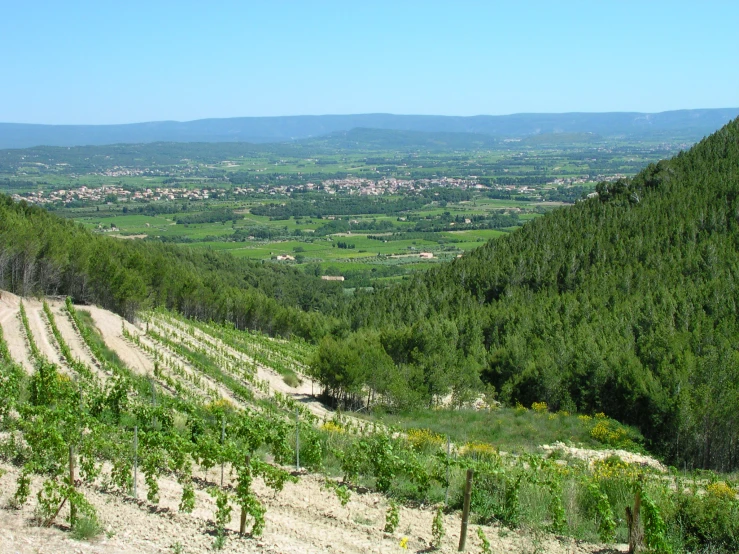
(86, 528)
(291, 380)
(106, 353)
(510, 429)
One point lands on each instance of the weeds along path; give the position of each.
(15, 335)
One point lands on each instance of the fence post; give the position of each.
(72, 507)
(465, 510)
(135, 460)
(297, 439)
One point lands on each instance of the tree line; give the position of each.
(44, 254)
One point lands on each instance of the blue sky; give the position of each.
(119, 62)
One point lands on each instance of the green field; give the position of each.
(441, 202)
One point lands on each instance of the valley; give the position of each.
(580, 364)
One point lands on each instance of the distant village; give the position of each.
(117, 193)
(348, 186)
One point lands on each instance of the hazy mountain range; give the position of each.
(688, 124)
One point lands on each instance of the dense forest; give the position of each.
(624, 303)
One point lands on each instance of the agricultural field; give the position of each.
(360, 211)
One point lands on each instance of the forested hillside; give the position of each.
(44, 254)
(625, 303)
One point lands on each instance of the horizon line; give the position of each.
(360, 115)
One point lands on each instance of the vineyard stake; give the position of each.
(465, 510)
(242, 525)
(633, 523)
(297, 439)
(223, 437)
(72, 507)
(135, 460)
(448, 461)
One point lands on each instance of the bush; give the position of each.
(86, 527)
(708, 520)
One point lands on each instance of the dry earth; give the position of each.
(13, 330)
(303, 518)
(591, 456)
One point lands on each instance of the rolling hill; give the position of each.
(687, 124)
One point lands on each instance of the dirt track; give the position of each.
(111, 325)
(41, 334)
(13, 331)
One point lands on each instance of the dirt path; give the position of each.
(71, 336)
(42, 334)
(13, 331)
(110, 325)
(76, 344)
(304, 518)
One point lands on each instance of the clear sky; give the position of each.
(129, 61)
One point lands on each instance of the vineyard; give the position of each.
(171, 435)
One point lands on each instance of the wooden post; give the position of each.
(633, 522)
(448, 462)
(465, 510)
(135, 460)
(297, 439)
(223, 437)
(242, 524)
(72, 507)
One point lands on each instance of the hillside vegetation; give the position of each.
(161, 432)
(624, 303)
(41, 253)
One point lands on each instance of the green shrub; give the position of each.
(711, 520)
(86, 527)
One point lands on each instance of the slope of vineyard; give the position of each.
(202, 418)
(305, 517)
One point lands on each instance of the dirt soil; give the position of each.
(110, 326)
(303, 518)
(591, 456)
(13, 332)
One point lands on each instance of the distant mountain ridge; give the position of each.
(690, 124)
